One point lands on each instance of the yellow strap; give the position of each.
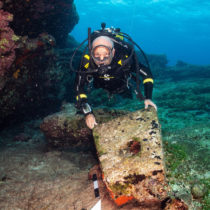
(120, 36)
(81, 96)
(106, 77)
(120, 62)
(87, 56)
(86, 65)
(148, 80)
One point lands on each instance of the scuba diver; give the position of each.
(112, 64)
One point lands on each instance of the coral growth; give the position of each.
(7, 41)
(44, 41)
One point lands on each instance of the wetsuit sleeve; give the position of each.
(148, 81)
(146, 77)
(80, 88)
(81, 82)
(144, 72)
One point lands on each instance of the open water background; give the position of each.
(179, 28)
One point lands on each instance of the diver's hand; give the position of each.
(148, 102)
(90, 121)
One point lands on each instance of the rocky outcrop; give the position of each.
(33, 71)
(54, 17)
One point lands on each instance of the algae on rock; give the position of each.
(131, 156)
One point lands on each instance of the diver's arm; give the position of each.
(145, 74)
(148, 86)
(147, 78)
(83, 105)
(81, 97)
(80, 83)
(85, 108)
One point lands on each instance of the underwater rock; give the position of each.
(39, 77)
(32, 74)
(131, 158)
(198, 190)
(7, 41)
(43, 42)
(176, 204)
(32, 18)
(65, 128)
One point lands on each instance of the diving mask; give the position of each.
(101, 53)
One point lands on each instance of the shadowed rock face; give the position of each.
(31, 68)
(56, 17)
(131, 157)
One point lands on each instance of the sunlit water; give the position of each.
(180, 29)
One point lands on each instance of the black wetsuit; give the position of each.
(115, 79)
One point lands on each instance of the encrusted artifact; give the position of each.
(131, 158)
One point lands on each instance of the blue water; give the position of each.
(179, 28)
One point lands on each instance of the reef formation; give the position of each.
(33, 35)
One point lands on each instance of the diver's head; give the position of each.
(102, 50)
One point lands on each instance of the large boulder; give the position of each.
(67, 128)
(131, 158)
